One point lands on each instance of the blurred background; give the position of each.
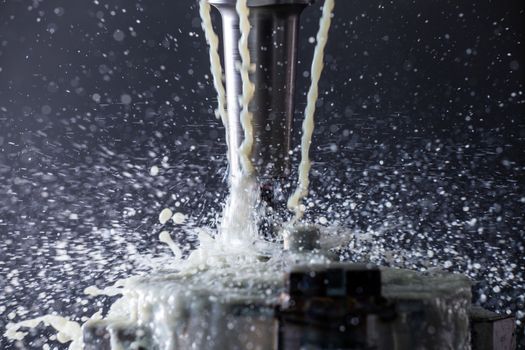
(418, 150)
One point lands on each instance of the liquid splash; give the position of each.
(394, 197)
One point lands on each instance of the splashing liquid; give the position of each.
(237, 243)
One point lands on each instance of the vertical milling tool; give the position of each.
(273, 51)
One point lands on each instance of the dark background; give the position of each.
(419, 146)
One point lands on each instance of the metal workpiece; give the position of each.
(101, 335)
(431, 307)
(315, 306)
(492, 331)
(210, 325)
(359, 281)
(213, 310)
(358, 306)
(336, 306)
(273, 51)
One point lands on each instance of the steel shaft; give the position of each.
(273, 51)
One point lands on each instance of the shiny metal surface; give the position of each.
(273, 51)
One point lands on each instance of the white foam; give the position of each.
(165, 215)
(68, 331)
(165, 237)
(178, 218)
